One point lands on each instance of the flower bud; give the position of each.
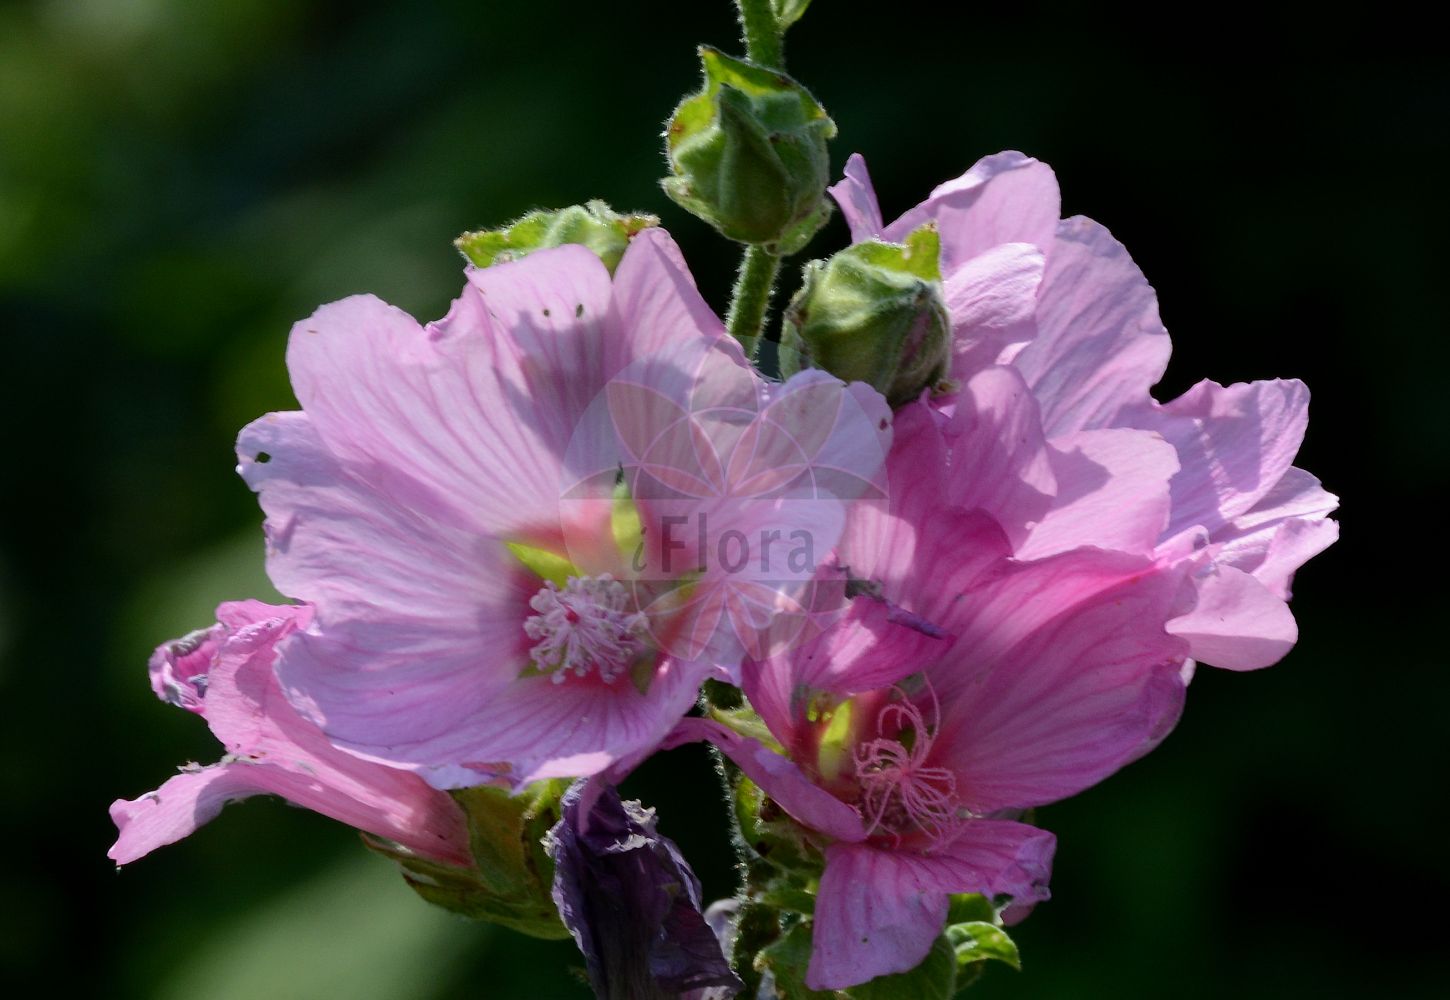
(873, 313)
(632, 903)
(593, 224)
(749, 155)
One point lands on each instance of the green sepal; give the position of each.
(873, 313)
(594, 225)
(772, 836)
(934, 979)
(786, 897)
(969, 907)
(512, 874)
(788, 12)
(748, 155)
(742, 718)
(786, 960)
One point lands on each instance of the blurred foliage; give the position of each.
(180, 181)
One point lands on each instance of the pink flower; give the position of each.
(224, 674)
(489, 604)
(1055, 327)
(962, 687)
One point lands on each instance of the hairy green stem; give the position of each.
(764, 42)
(764, 45)
(751, 298)
(756, 927)
(758, 924)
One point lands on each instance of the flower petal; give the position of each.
(548, 730)
(656, 301)
(178, 668)
(181, 806)
(878, 911)
(1112, 493)
(1237, 623)
(1100, 345)
(992, 299)
(428, 418)
(857, 199)
(1000, 462)
(872, 646)
(1234, 445)
(1004, 198)
(1061, 674)
(272, 749)
(435, 609)
(777, 776)
(1295, 543)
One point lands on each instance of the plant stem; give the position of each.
(756, 927)
(751, 297)
(764, 44)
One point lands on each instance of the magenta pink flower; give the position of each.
(962, 687)
(461, 504)
(1056, 328)
(224, 674)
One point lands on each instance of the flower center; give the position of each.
(585, 626)
(900, 794)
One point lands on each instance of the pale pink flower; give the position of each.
(1056, 327)
(224, 673)
(961, 688)
(746, 485)
(488, 607)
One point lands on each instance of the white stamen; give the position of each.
(583, 627)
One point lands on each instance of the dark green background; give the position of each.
(181, 181)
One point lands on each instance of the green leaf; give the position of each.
(980, 940)
(934, 979)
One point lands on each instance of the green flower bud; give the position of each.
(873, 313)
(749, 155)
(593, 224)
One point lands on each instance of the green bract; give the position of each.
(749, 155)
(934, 979)
(593, 224)
(873, 313)
(512, 875)
(786, 960)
